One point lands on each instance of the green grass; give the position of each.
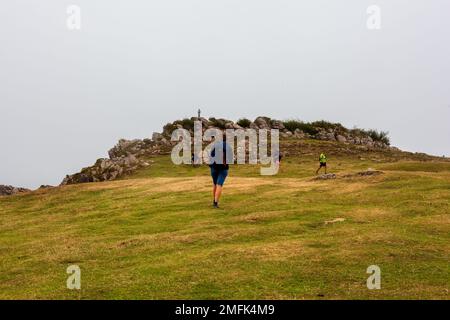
(418, 166)
(155, 236)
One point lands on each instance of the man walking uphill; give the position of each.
(322, 162)
(220, 153)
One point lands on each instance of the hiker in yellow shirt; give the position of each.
(322, 162)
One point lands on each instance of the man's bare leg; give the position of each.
(214, 192)
(218, 193)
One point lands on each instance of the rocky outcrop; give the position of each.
(124, 158)
(106, 170)
(10, 190)
(319, 130)
(127, 155)
(139, 148)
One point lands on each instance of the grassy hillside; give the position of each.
(155, 235)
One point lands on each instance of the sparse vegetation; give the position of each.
(357, 132)
(218, 123)
(244, 122)
(292, 125)
(380, 136)
(313, 127)
(169, 128)
(186, 123)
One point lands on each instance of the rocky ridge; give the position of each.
(127, 155)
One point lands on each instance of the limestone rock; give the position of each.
(326, 176)
(156, 136)
(10, 190)
(262, 123)
(370, 172)
(106, 170)
(276, 124)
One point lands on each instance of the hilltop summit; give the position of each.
(128, 156)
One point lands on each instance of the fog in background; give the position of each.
(66, 96)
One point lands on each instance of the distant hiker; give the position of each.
(277, 158)
(219, 168)
(322, 162)
(194, 159)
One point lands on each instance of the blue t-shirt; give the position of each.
(221, 164)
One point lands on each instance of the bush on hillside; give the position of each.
(218, 123)
(168, 129)
(292, 125)
(380, 136)
(186, 123)
(357, 132)
(244, 122)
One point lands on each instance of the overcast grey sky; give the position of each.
(66, 96)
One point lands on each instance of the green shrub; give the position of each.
(168, 129)
(244, 122)
(357, 132)
(380, 136)
(291, 125)
(219, 123)
(187, 124)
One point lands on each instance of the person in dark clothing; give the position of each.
(194, 160)
(219, 168)
(278, 157)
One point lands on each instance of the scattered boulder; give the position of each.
(277, 124)
(370, 172)
(288, 134)
(327, 176)
(229, 125)
(322, 135)
(10, 190)
(341, 138)
(331, 137)
(157, 136)
(262, 123)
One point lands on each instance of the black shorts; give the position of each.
(219, 176)
(324, 164)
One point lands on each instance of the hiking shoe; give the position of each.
(215, 205)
